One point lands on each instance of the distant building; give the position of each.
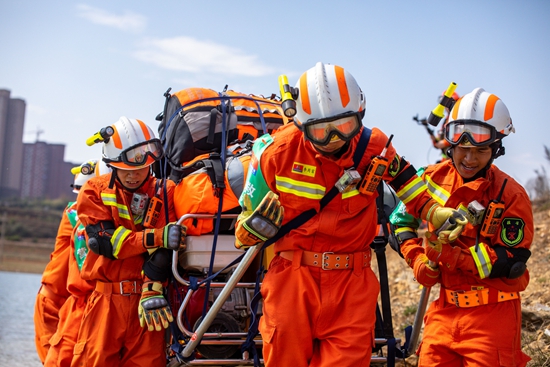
(45, 174)
(29, 170)
(12, 120)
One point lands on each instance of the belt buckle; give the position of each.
(323, 264)
(134, 286)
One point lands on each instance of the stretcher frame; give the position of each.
(201, 336)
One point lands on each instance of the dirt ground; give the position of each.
(32, 257)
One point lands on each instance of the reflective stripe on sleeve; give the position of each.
(118, 238)
(437, 192)
(412, 190)
(482, 260)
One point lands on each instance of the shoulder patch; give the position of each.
(395, 166)
(512, 231)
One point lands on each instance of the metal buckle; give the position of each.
(323, 264)
(134, 286)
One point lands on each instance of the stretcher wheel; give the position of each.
(222, 323)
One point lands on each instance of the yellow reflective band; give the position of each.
(299, 188)
(437, 192)
(412, 190)
(118, 238)
(404, 229)
(349, 194)
(482, 260)
(110, 200)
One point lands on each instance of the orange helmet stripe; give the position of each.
(455, 108)
(116, 139)
(342, 85)
(304, 95)
(490, 107)
(144, 130)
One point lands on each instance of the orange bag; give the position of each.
(197, 194)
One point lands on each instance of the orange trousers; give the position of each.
(46, 317)
(110, 335)
(488, 335)
(313, 317)
(63, 341)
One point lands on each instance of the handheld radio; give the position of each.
(493, 214)
(377, 167)
(153, 213)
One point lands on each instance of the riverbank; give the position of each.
(25, 256)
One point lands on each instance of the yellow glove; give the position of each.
(424, 273)
(258, 226)
(153, 309)
(449, 221)
(443, 253)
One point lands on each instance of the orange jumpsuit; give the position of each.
(70, 315)
(488, 334)
(110, 333)
(312, 316)
(53, 292)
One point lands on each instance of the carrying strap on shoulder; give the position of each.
(307, 215)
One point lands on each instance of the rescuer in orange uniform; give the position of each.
(113, 209)
(477, 319)
(63, 340)
(320, 294)
(53, 292)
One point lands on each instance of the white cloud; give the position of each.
(130, 22)
(195, 56)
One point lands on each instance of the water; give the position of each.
(17, 297)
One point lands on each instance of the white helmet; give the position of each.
(132, 145)
(330, 103)
(83, 173)
(102, 168)
(479, 116)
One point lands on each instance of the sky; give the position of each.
(81, 65)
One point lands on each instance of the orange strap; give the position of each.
(330, 260)
(49, 294)
(125, 288)
(478, 296)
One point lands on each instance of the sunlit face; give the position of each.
(132, 179)
(469, 160)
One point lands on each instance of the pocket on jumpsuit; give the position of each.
(267, 330)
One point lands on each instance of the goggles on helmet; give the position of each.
(322, 131)
(478, 133)
(137, 155)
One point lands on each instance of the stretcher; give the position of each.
(216, 338)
